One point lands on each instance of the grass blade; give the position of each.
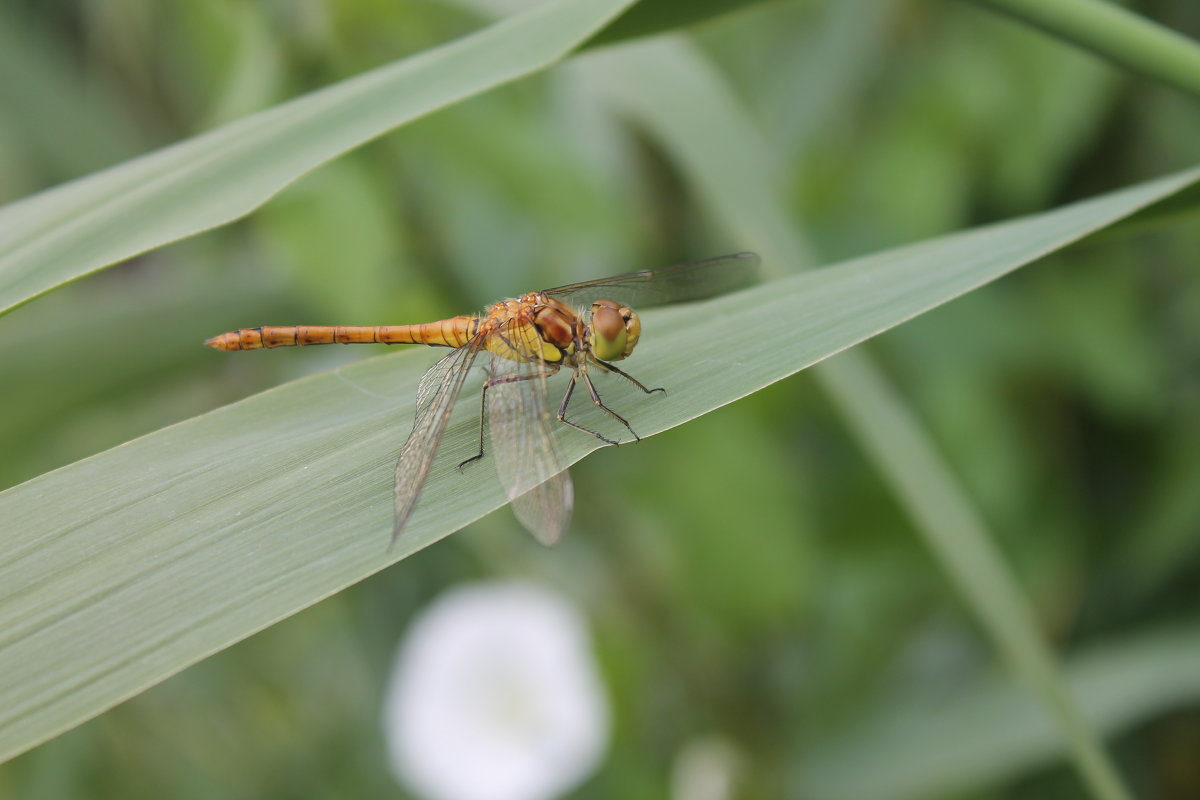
(951, 744)
(120, 570)
(67, 232)
(1114, 33)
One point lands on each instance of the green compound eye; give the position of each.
(608, 334)
(615, 330)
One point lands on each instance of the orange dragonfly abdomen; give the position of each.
(451, 332)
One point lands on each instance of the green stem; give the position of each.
(1115, 34)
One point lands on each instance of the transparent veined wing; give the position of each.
(521, 427)
(681, 283)
(436, 394)
(545, 510)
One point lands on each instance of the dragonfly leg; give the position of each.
(483, 406)
(607, 367)
(562, 413)
(482, 416)
(595, 395)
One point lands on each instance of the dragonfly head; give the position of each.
(614, 330)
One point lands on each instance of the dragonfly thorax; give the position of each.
(556, 325)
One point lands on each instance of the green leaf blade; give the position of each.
(124, 568)
(70, 231)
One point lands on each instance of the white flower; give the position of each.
(494, 696)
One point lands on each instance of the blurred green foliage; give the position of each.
(747, 575)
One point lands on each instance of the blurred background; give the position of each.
(760, 619)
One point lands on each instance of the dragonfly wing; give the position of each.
(681, 283)
(545, 510)
(533, 474)
(436, 394)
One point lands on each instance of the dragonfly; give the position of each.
(580, 327)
